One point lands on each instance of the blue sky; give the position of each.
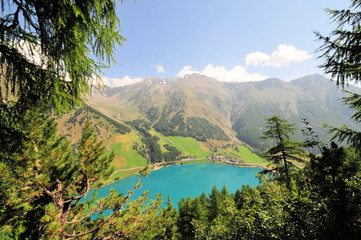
(231, 40)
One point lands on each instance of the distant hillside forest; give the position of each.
(199, 128)
(151, 148)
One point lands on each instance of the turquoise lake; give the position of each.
(186, 180)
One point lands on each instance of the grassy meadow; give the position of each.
(188, 146)
(250, 157)
(125, 156)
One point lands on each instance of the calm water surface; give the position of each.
(186, 180)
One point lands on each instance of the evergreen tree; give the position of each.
(216, 203)
(44, 180)
(336, 173)
(341, 49)
(167, 227)
(344, 133)
(46, 46)
(51, 53)
(185, 217)
(238, 199)
(224, 191)
(284, 149)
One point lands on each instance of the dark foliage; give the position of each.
(199, 128)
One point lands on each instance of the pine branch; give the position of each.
(113, 215)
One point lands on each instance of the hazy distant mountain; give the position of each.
(204, 108)
(314, 98)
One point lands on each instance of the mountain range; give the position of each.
(203, 108)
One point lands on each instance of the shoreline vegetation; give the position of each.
(157, 166)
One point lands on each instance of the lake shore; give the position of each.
(157, 166)
(185, 180)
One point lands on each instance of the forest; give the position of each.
(198, 128)
(44, 181)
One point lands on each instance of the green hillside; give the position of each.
(250, 157)
(174, 107)
(195, 127)
(104, 127)
(196, 116)
(312, 98)
(189, 146)
(206, 109)
(126, 156)
(129, 144)
(127, 161)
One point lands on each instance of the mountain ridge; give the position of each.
(238, 109)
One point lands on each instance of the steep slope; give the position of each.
(194, 106)
(71, 124)
(204, 108)
(313, 98)
(142, 100)
(197, 107)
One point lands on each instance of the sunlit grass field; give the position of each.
(250, 157)
(125, 156)
(189, 146)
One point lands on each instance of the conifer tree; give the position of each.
(334, 179)
(341, 49)
(51, 52)
(44, 181)
(185, 217)
(216, 203)
(167, 222)
(284, 149)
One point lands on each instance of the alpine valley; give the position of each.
(203, 112)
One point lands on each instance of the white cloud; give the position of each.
(160, 69)
(236, 74)
(257, 58)
(119, 82)
(186, 71)
(283, 55)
